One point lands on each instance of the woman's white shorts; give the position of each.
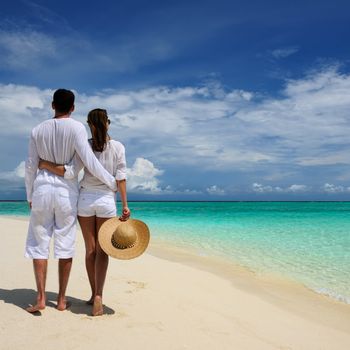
(99, 204)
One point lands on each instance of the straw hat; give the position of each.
(123, 239)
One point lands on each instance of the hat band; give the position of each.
(119, 246)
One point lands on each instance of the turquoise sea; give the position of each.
(308, 242)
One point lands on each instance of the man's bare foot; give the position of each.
(97, 308)
(35, 308)
(63, 305)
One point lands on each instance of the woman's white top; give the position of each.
(112, 158)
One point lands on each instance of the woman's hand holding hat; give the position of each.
(126, 214)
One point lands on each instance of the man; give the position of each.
(52, 198)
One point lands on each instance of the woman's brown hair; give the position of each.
(98, 122)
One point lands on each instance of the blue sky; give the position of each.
(214, 100)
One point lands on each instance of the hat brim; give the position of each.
(105, 238)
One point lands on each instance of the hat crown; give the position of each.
(124, 236)
(123, 239)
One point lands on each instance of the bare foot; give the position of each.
(97, 308)
(63, 305)
(35, 308)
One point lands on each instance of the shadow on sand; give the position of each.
(23, 297)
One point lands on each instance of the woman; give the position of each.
(97, 202)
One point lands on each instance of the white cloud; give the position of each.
(12, 181)
(20, 170)
(209, 127)
(215, 190)
(180, 191)
(25, 48)
(15, 175)
(284, 52)
(297, 188)
(19, 49)
(328, 188)
(22, 107)
(142, 177)
(259, 188)
(188, 191)
(331, 188)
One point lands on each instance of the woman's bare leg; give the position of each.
(88, 228)
(101, 265)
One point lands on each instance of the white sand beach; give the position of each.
(165, 299)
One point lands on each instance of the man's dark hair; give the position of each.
(63, 100)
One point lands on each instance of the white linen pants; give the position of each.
(53, 214)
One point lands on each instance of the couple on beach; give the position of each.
(58, 149)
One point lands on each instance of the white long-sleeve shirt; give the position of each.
(57, 140)
(112, 159)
